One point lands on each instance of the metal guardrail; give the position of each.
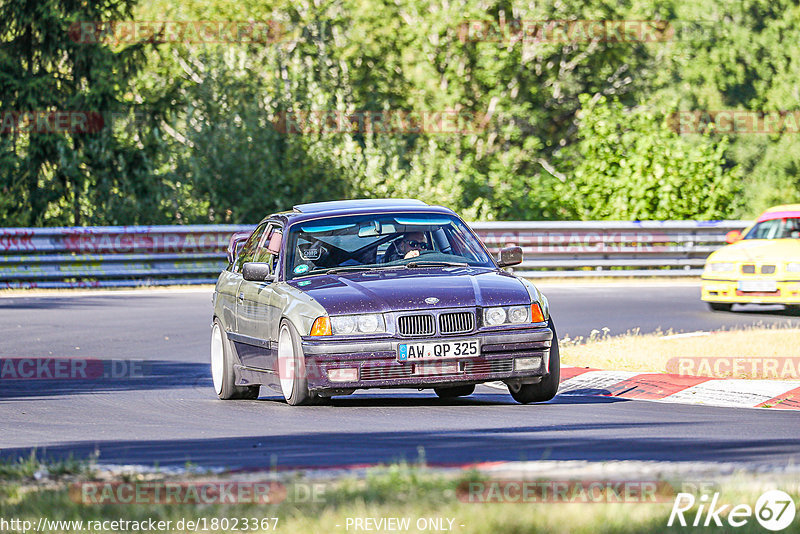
(125, 256)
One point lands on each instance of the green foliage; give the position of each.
(64, 175)
(569, 130)
(631, 165)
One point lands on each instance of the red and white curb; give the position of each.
(776, 394)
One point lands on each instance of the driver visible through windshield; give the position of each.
(375, 242)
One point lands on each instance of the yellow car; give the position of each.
(760, 265)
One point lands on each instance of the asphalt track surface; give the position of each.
(170, 415)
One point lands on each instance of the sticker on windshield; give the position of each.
(304, 283)
(300, 269)
(310, 254)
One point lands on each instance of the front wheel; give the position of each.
(222, 374)
(457, 391)
(292, 367)
(547, 388)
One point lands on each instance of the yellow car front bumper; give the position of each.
(727, 291)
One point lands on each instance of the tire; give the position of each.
(457, 391)
(222, 374)
(720, 306)
(291, 367)
(548, 387)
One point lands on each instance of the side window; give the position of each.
(249, 248)
(269, 250)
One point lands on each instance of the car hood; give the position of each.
(407, 289)
(759, 250)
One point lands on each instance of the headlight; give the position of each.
(512, 315)
(369, 323)
(793, 267)
(518, 314)
(721, 267)
(494, 316)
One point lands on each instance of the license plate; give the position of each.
(411, 352)
(761, 286)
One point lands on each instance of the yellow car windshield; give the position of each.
(788, 228)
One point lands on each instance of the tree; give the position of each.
(632, 165)
(61, 160)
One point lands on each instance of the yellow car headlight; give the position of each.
(793, 267)
(721, 267)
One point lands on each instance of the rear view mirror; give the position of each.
(371, 229)
(510, 256)
(257, 272)
(733, 236)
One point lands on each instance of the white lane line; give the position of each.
(733, 392)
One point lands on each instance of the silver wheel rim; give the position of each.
(217, 358)
(286, 362)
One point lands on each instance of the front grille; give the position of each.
(381, 372)
(456, 323)
(489, 366)
(767, 269)
(416, 325)
(748, 269)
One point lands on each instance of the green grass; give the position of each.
(395, 491)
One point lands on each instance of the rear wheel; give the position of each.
(547, 388)
(291, 367)
(720, 306)
(222, 373)
(457, 391)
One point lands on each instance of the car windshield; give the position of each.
(788, 228)
(381, 241)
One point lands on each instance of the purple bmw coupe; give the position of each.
(337, 296)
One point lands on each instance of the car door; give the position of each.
(231, 279)
(257, 309)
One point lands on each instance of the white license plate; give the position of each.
(761, 286)
(412, 352)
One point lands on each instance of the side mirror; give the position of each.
(235, 243)
(257, 272)
(510, 256)
(733, 236)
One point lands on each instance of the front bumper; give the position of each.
(727, 291)
(378, 367)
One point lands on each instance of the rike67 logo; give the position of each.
(774, 510)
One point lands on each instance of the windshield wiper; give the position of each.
(362, 268)
(348, 268)
(424, 263)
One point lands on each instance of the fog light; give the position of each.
(527, 364)
(349, 374)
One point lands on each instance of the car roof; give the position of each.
(320, 210)
(347, 205)
(780, 212)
